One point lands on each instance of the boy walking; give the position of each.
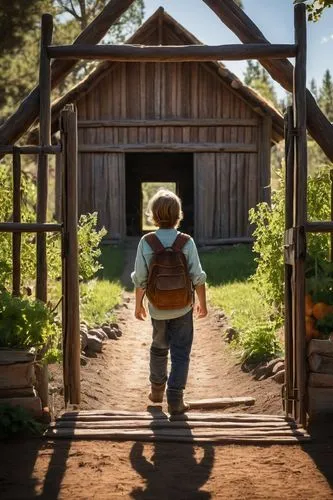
(167, 268)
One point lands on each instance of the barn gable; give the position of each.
(191, 123)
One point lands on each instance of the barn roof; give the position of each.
(151, 33)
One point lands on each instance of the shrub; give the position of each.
(269, 234)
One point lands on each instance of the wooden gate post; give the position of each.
(70, 307)
(300, 205)
(42, 181)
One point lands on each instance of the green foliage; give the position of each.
(260, 342)
(315, 8)
(228, 265)
(89, 246)
(325, 98)
(98, 299)
(269, 231)
(27, 324)
(20, 25)
(112, 261)
(256, 77)
(17, 421)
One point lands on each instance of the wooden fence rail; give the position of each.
(168, 53)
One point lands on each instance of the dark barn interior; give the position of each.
(158, 167)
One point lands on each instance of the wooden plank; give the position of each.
(233, 196)
(320, 400)
(320, 347)
(30, 149)
(170, 424)
(16, 237)
(58, 186)
(213, 403)
(321, 380)
(179, 435)
(71, 318)
(164, 122)
(17, 375)
(42, 183)
(29, 227)
(299, 99)
(319, 227)
(171, 147)
(320, 364)
(171, 53)
(288, 297)
(31, 404)
(224, 194)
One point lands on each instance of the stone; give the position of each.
(230, 334)
(83, 360)
(84, 327)
(94, 343)
(84, 339)
(279, 377)
(278, 367)
(110, 332)
(97, 333)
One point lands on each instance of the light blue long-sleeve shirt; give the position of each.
(143, 256)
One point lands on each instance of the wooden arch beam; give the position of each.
(280, 69)
(20, 121)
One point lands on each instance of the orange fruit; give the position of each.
(309, 327)
(308, 305)
(320, 310)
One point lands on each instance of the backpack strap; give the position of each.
(154, 242)
(180, 242)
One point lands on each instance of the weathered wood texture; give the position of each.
(226, 187)
(70, 282)
(281, 69)
(182, 91)
(134, 53)
(28, 110)
(157, 426)
(16, 237)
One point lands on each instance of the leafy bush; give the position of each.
(27, 324)
(260, 342)
(16, 420)
(89, 238)
(269, 234)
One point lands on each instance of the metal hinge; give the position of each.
(294, 244)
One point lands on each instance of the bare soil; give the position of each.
(118, 378)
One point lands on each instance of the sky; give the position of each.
(275, 18)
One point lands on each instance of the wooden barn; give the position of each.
(193, 124)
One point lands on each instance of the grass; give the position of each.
(230, 289)
(98, 299)
(100, 296)
(112, 260)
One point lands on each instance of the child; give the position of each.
(172, 329)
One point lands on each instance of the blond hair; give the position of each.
(165, 209)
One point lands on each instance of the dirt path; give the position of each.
(106, 470)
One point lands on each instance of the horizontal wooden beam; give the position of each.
(319, 227)
(29, 150)
(27, 227)
(188, 122)
(170, 53)
(180, 147)
(226, 241)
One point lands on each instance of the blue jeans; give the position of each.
(176, 335)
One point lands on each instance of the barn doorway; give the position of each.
(174, 170)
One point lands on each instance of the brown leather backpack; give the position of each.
(169, 284)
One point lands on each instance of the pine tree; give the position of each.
(257, 77)
(313, 88)
(326, 95)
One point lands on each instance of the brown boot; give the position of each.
(176, 404)
(157, 392)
